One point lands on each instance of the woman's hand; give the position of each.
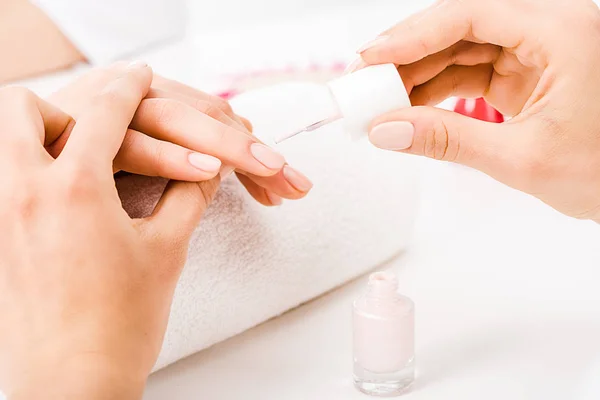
(538, 61)
(85, 291)
(184, 134)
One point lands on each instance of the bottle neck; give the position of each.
(382, 286)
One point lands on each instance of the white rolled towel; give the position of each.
(249, 263)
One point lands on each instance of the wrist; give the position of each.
(93, 377)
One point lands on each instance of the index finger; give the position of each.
(99, 132)
(444, 25)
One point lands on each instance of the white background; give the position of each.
(506, 289)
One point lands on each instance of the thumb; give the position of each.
(444, 135)
(180, 209)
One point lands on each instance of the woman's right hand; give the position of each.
(538, 61)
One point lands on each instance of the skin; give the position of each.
(84, 311)
(41, 46)
(171, 123)
(516, 55)
(175, 120)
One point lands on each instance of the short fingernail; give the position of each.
(397, 135)
(266, 156)
(274, 199)
(355, 66)
(297, 179)
(137, 64)
(375, 42)
(204, 162)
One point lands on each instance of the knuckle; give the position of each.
(441, 143)
(223, 105)
(167, 111)
(454, 84)
(107, 97)
(220, 133)
(200, 196)
(535, 164)
(79, 183)
(209, 109)
(138, 154)
(201, 105)
(119, 94)
(104, 75)
(24, 202)
(214, 112)
(209, 189)
(205, 192)
(159, 160)
(130, 143)
(453, 53)
(531, 169)
(19, 96)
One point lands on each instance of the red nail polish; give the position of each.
(478, 109)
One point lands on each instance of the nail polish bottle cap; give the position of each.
(366, 94)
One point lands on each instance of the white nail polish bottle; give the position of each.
(360, 97)
(383, 338)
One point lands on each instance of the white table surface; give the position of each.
(506, 289)
(507, 299)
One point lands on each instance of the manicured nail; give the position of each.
(297, 179)
(372, 43)
(204, 162)
(137, 64)
(397, 135)
(274, 199)
(266, 156)
(226, 171)
(357, 64)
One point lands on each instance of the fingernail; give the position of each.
(274, 199)
(372, 43)
(137, 64)
(297, 179)
(226, 171)
(397, 135)
(357, 64)
(266, 156)
(204, 162)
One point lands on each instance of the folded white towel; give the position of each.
(249, 263)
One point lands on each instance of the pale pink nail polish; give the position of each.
(266, 156)
(384, 338)
(297, 179)
(375, 42)
(275, 200)
(395, 135)
(204, 162)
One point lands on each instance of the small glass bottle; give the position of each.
(383, 339)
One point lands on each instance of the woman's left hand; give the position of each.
(184, 134)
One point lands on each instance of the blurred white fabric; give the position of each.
(109, 29)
